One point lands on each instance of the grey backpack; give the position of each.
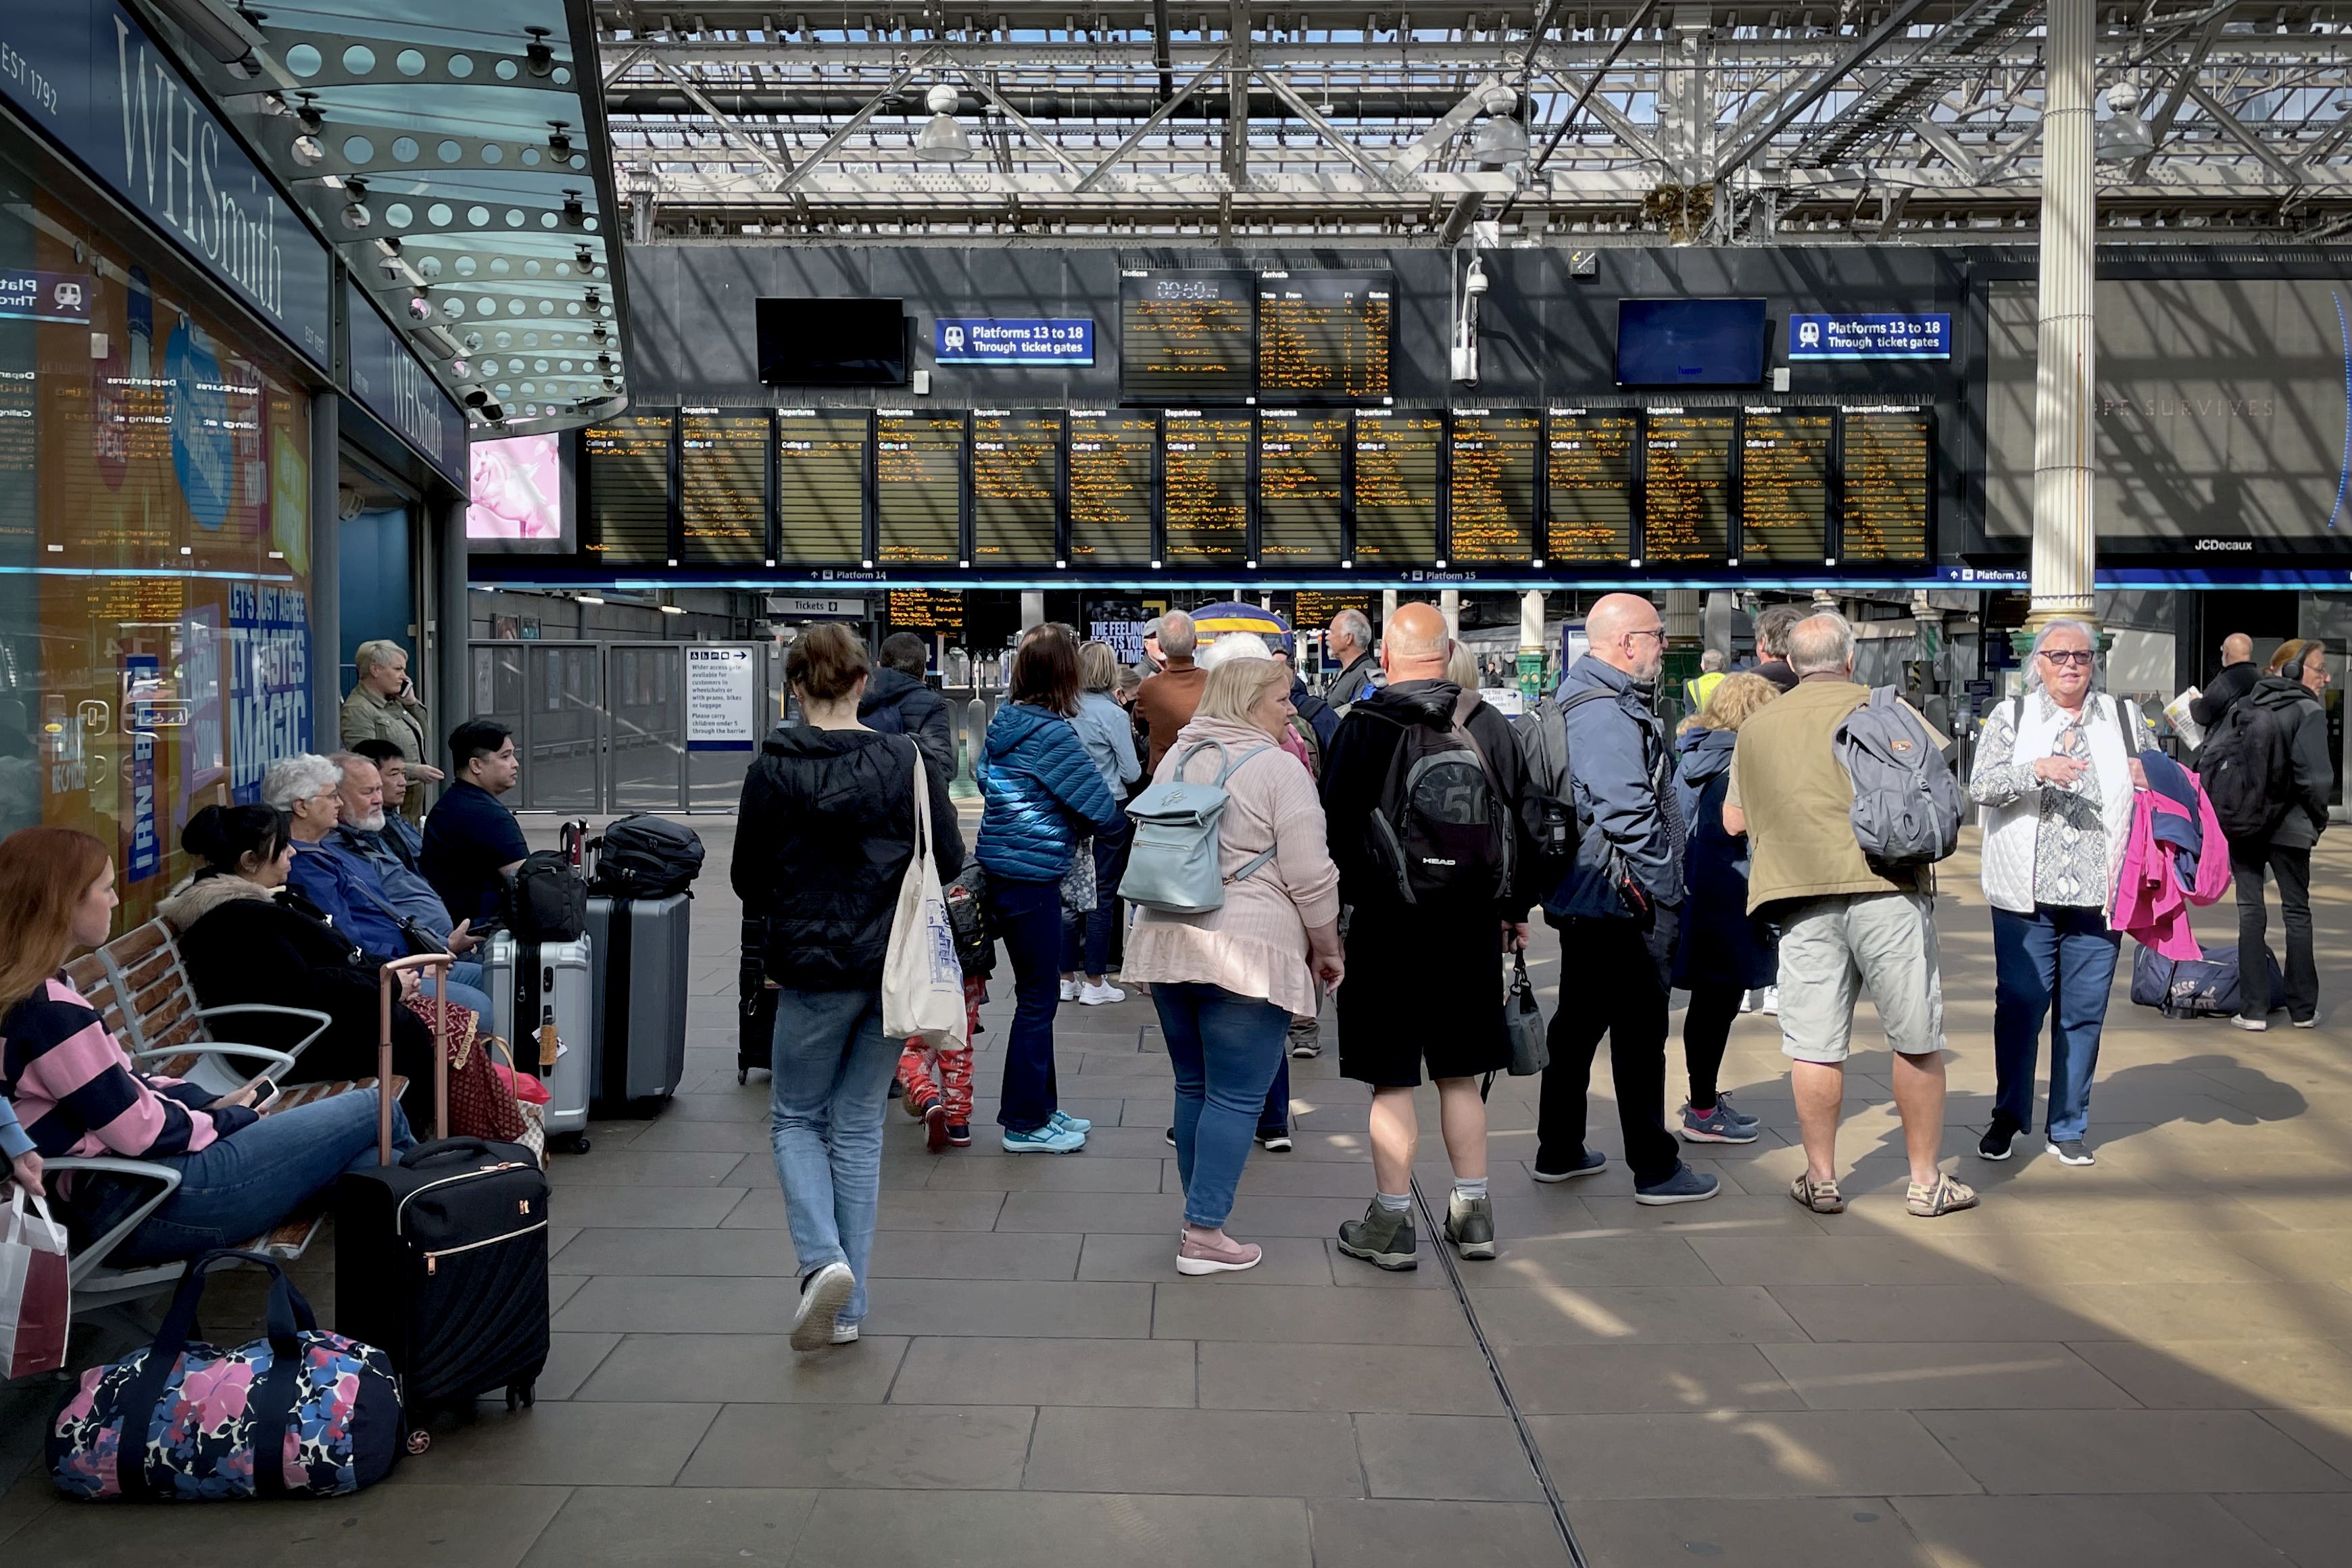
(1907, 804)
(1172, 865)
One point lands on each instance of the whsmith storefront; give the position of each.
(221, 469)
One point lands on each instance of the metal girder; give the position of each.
(1052, 149)
(833, 143)
(1331, 133)
(2184, 78)
(1158, 117)
(1891, 26)
(2237, 128)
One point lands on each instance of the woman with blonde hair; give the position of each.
(1226, 984)
(77, 1091)
(1722, 955)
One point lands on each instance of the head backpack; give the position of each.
(1438, 829)
(1907, 804)
(1171, 863)
(2249, 773)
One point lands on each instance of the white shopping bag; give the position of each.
(35, 1299)
(922, 979)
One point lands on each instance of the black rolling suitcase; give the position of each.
(755, 1038)
(640, 914)
(441, 1260)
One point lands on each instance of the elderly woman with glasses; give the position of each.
(2053, 777)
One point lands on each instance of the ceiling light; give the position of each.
(355, 214)
(573, 213)
(1501, 142)
(2123, 136)
(537, 57)
(943, 140)
(592, 598)
(559, 141)
(672, 610)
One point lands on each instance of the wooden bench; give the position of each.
(141, 988)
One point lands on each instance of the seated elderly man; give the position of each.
(346, 888)
(402, 838)
(366, 829)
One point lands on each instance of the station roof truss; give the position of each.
(1646, 122)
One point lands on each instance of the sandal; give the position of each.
(1821, 1198)
(1947, 1197)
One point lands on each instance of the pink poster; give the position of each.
(518, 492)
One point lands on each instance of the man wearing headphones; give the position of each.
(2290, 691)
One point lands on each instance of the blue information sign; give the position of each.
(397, 389)
(1871, 336)
(86, 73)
(988, 339)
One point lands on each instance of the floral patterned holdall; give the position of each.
(301, 1412)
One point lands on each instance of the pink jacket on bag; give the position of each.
(2151, 905)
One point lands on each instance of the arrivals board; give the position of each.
(1204, 482)
(820, 486)
(1398, 455)
(918, 488)
(1589, 477)
(1187, 337)
(1112, 459)
(1016, 486)
(1325, 337)
(1301, 471)
(722, 487)
(1784, 486)
(1491, 487)
(627, 461)
(1312, 609)
(1686, 487)
(1887, 471)
(923, 609)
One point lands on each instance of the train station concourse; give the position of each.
(615, 940)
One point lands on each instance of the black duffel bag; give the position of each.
(647, 857)
(546, 901)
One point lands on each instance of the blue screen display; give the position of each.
(1690, 343)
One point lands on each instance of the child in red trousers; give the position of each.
(943, 1105)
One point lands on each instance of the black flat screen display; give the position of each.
(1690, 343)
(832, 342)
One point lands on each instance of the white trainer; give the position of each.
(1095, 995)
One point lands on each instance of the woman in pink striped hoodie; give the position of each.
(77, 1091)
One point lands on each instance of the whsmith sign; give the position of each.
(87, 75)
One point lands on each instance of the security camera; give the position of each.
(1475, 280)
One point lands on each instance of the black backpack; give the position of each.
(647, 857)
(546, 899)
(2248, 772)
(1438, 828)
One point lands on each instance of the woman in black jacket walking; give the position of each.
(245, 936)
(825, 837)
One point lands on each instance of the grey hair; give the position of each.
(2033, 658)
(1711, 660)
(305, 775)
(1821, 644)
(1176, 633)
(1772, 626)
(1231, 646)
(1355, 626)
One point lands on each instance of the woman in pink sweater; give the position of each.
(78, 1092)
(1226, 984)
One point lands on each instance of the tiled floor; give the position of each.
(2148, 1363)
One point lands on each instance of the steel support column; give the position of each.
(2063, 547)
(326, 597)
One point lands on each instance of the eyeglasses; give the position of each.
(1657, 632)
(2080, 656)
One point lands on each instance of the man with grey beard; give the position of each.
(363, 832)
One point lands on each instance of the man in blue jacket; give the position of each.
(1618, 913)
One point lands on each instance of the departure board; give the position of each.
(1187, 337)
(722, 487)
(917, 488)
(1016, 486)
(923, 609)
(1300, 466)
(628, 490)
(1784, 486)
(1111, 459)
(1887, 470)
(1686, 485)
(1589, 477)
(1491, 486)
(1312, 609)
(1396, 486)
(1324, 337)
(820, 486)
(1204, 484)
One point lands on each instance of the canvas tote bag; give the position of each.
(922, 979)
(36, 1302)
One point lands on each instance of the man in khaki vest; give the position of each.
(1844, 924)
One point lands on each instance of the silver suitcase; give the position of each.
(566, 998)
(641, 973)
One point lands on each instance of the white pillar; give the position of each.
(1681, 614)
(1531, 621)
(1033, 607)
(1449, 604)
(1388, 609)
(2064, 549)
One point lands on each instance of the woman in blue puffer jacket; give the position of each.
(1042, 793)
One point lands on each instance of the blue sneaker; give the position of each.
(1077, 1124)
(1723, 1103)
(1685, 1186)
(1586, 1163)
(1715, 1126)
(1046, 1140)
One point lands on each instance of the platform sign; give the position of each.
(966, 340)
(722, 710)
(1875, 335)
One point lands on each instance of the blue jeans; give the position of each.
(2068, 955)
(1275, 1116)
(831, 1084)
(233, 1190)
(1086, 939)
(1028, 915)
(1226, 1050)
(465, 988)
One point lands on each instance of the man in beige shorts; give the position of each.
(1844, 924)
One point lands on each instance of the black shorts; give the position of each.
(1423, 994)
